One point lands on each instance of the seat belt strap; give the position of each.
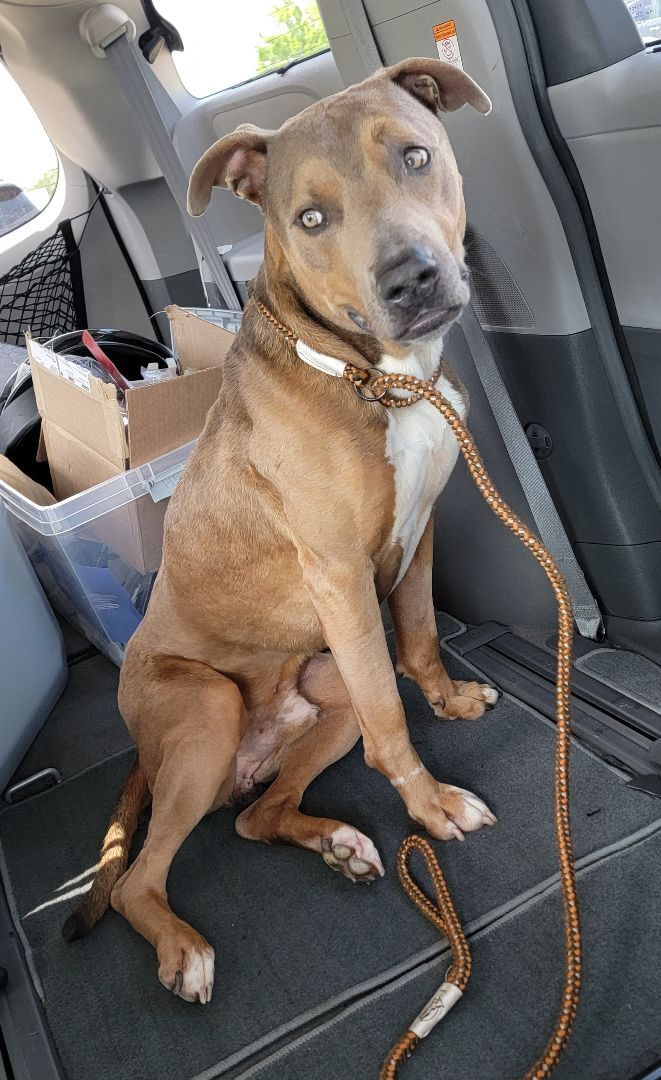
(362, 34)
(158, 114)
(551, 530)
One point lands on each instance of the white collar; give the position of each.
(330, 365)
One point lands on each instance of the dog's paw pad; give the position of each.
(351, 854)
(191, 976)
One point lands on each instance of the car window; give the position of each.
(647, 15)
(226, 44)
(28, 161)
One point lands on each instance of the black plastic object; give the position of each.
(160, 33)
(128, 351)
(540, 440)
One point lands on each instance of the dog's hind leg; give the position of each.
(276, 817)
(201, 722)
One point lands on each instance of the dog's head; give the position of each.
(363, 199)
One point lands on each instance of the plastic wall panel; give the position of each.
(612, 123)
(507, 200)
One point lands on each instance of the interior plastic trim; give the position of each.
(577, 37)
(507, 661)
(524, 68)
(30, 1047)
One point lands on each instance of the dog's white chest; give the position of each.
(422, 450)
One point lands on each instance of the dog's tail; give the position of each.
(114, 855)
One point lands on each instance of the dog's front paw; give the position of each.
(352, 854)
(186, 968)
(452, 811)
(469, 701)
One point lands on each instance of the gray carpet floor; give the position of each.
(628, 672)
(497, 1029)
(298, 946)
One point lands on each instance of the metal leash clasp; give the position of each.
(361, 387)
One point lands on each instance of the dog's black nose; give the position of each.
(410, 280)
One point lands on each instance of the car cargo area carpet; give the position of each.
(297, 944)
(510, 1004)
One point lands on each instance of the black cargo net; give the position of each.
(44, 292)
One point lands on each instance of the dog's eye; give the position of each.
(416, 157)
(311, 219)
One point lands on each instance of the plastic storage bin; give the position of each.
(229, 320)
(97, 553)
(33, 665)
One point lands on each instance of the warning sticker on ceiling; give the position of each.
(447, 43)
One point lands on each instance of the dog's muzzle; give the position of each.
(421, 291)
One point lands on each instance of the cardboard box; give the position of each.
(87, 439)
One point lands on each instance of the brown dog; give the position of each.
(303, 507)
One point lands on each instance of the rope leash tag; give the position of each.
(436, 1009)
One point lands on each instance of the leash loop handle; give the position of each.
(442, 914)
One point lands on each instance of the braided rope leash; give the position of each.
(443, 914)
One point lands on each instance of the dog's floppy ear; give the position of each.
(438, 85)
(237, 162)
